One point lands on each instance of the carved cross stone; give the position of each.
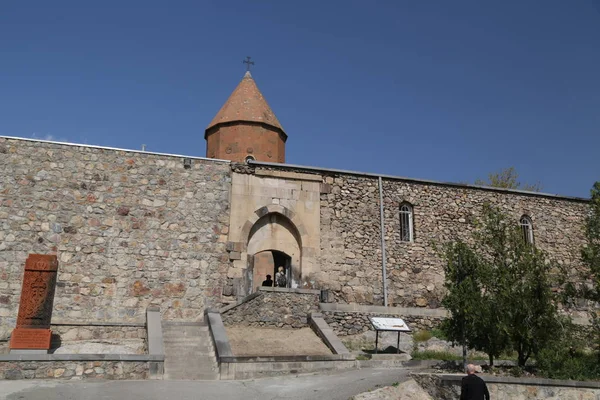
(35, 308)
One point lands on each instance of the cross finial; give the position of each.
(247, 61)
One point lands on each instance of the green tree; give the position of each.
(463, 284)
(500, 291)
(508, 179)
(473, 310)
(591, 258)
(522, 280)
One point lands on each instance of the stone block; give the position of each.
(30, 338)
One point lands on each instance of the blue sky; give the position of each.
(441, 90)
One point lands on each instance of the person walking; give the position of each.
(473, 387)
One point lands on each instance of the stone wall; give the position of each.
(447, 387)
(98, 339)
(351, 240)
(274, 307)
(353, 323)
(74, 370)
(130, 229)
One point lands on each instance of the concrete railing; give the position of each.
(218, 334)
(155, 342)
(322, 329)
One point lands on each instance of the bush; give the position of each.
(438, 333)
(422, 336)
(568, 363)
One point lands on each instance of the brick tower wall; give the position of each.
(236, 141)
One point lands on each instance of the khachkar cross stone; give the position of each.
(35, 309)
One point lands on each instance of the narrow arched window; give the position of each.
(526, 229)
(406, 223)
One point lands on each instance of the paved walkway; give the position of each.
(338, 386)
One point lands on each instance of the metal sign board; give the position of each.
(389, 324)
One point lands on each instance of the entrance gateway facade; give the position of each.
(268, 234)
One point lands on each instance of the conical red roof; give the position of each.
(246, 103)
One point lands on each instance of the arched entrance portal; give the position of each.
(274, 241)
(267, 263)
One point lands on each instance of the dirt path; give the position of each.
(246, 341)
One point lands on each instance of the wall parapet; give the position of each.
(447, 386)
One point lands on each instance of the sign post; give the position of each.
(388, 324)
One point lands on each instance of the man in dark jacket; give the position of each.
(473, 387)
(268, 281)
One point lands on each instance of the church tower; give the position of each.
(246, 128)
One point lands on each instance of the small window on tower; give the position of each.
(406, 222)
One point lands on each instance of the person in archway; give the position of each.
(268, 281)
(280, 279)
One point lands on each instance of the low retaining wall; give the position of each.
(79, 366)
(120, 338)
(447, 387)
(352, 319)
(260, 367)
(273, 307)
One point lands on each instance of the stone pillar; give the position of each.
(33, 333)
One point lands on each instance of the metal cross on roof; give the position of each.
(247, 61)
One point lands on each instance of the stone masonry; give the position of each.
(74, 370)
(274, 307)
(350, 235)
(130, 229)
(353, 323)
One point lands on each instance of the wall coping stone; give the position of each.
(522, 381)
(418, 181)
(268, 359)
(152, 153)
(154, 331)
(81, 357)
(219, 334)
(182, 323)
(322, 329)
(409, 311)
(288, 175)
(289, 290)
(91, 323)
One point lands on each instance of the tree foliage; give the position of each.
(508, 179)
(470, 302)
(591, 257)
(509, 287)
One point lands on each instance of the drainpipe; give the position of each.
(383, 256)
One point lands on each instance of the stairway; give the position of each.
(189, 351)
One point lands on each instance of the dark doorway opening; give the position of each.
(282, 260)
(267, 263)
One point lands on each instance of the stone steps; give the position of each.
(189, 352)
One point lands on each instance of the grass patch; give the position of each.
(435, 355)
(438, 333)
(422, 336)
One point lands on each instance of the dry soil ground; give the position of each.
(247, 341)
